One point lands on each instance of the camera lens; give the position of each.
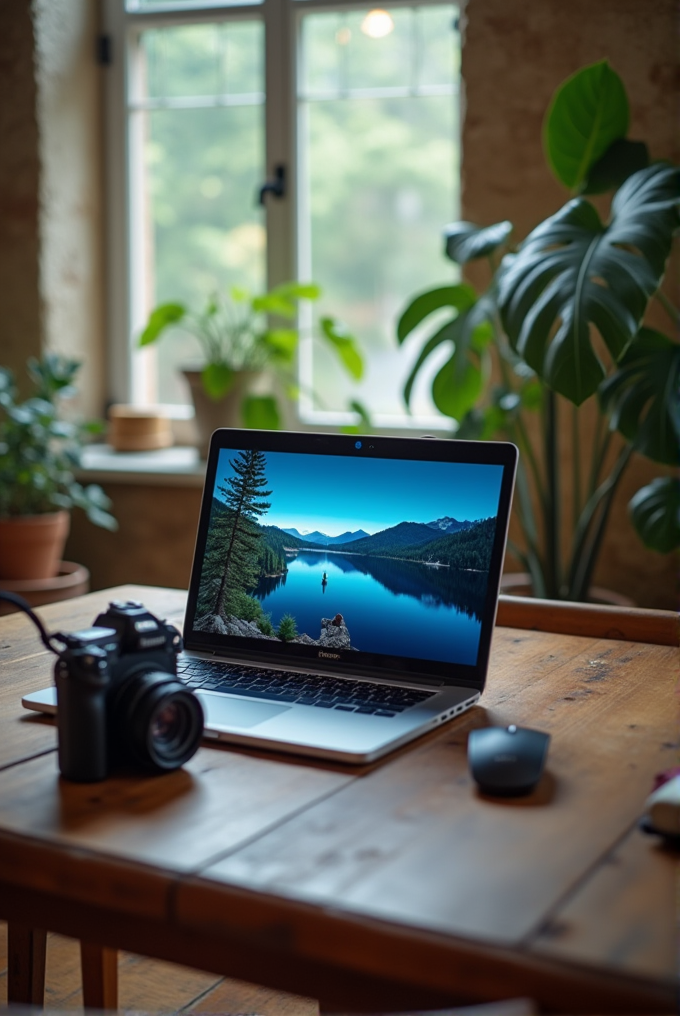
(166, 725)
(159, 719)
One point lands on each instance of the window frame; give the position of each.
(282, 20)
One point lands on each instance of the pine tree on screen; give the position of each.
(237, 538)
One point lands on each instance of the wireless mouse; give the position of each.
(507, 761)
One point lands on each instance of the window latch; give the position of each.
(277, 186)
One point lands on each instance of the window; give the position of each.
(360, 107)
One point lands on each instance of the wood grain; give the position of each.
(621, 916)
(631, 623)
(174, 822)
(414, 843)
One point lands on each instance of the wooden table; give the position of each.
(387, 886)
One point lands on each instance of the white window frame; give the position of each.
(282, 21)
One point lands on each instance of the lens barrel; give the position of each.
(159, 719)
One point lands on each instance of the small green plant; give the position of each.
(287, 629)
(235, 336)
(574, 278)
(39, 450)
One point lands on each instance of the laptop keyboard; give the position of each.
(286, 686)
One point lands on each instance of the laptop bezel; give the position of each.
(352, 663)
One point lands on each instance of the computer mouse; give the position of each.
(507, 761)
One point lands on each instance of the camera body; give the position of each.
(119, 700)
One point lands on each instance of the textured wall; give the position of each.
(71, 226)
(516, 52)
(20, 310)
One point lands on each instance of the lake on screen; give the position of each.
(399, 608)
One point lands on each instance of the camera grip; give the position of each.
(81, 721)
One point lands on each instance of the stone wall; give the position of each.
(20, 300)
(51, 196)
(515, 54)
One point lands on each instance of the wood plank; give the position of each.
(413, 842)
(25, 666)
(174, 822)
(634, 624)
(623, 915)
(434, 971)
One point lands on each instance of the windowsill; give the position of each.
(178, 466)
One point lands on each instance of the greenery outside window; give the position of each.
(360, 108)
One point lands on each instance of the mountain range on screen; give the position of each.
(409, 533)
(326, 541)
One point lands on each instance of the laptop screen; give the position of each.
(346, 554)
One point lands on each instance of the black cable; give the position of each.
(22, 604)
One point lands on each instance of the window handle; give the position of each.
(277, 186)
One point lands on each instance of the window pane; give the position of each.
(201, 126)
(380, 180)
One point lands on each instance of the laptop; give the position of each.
(344, 589)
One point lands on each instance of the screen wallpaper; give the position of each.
(377, 555)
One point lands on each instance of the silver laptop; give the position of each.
(344, 589)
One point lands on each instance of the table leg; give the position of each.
(25, 964)
(99, 968)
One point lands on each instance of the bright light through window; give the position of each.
(378, 130)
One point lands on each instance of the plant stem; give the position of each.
(598, 454)
(588, 558)
(552, 503)
(670, 309)
(576, 462)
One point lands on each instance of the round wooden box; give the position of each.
(138, 429)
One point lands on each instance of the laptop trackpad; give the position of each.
(227, 711)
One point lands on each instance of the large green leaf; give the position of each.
(217, 380)
(642, 396)
(573, 271)
(465, 241)
(345, 345)
(459, 297)
(655, 513)
(261, 412)
(161, 318)
(587, 113)
(459, 383)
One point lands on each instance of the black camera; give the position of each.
(119, 700)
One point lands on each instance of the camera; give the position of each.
(119, 700)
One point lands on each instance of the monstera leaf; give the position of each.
(466, 242)
(655, 513)
(643, 396)
(460, 381)
(573, 271)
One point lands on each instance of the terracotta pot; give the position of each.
(71, 580)
(31, 546)
(519, 584)
(225, 412)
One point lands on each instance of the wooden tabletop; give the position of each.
(386, 885)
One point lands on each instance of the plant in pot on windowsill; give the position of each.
(564, 311)
(38, 453)
(238, 347)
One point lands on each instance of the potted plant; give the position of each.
(564, 312)
(238, 345)
(38, 452)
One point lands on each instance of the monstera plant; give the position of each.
(565, 311)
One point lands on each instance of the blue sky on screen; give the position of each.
(340, 493)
